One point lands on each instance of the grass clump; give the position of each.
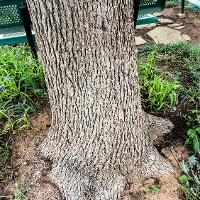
(158, 92)
(21, 82)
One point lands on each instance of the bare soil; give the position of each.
(32, 177)
(31, 167)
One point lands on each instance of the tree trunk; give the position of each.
(100, 138)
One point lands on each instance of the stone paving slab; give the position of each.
(158, 14)
(174, 25)
(181, 15)
(186, 37)
(139, 40)
(146, 26)
(166, 31)
(165, 35)
(165, 21)
(179, 27)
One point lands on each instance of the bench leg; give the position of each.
(136, 9)
(182, 6)
(27, 26)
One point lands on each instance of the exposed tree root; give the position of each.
(51, 146)
(89, 183)
(84, 185)
(158, 127)
(156, 165)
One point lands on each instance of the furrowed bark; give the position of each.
(100, 138)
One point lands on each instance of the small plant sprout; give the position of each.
(19, 195)
(153, 188)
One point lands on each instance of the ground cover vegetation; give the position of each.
(22, 91)
(170, 83)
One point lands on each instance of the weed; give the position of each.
(193, 134)
(19, 195)
(193, 138)
(152, 188)
(191, 169)
(4, 152)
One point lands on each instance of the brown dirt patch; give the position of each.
(169, 189)
(169, 185)
(33, 170)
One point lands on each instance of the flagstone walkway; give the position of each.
(168, 29)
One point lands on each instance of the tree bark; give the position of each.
(100, 138)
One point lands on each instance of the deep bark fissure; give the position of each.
(100, 138)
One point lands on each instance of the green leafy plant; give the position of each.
(191, 179)
(21, 83)
(193, 134)
(179, 62)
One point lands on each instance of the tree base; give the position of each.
(85, 185)
(94, 176)
(88, 183)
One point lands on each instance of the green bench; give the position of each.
(195, 3)
(143, 10)
(15, 24)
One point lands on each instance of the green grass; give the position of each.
(19, 195)
(176, 69)
(21, 82)
(158, 92)
(22, 88)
